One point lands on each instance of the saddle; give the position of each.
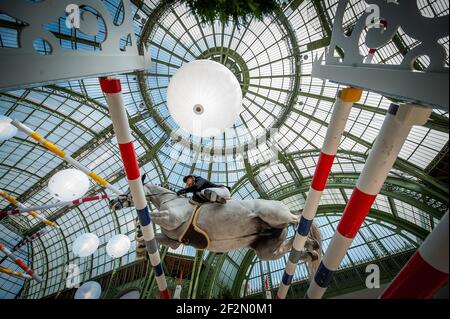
(193, 235)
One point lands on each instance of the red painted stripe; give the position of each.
(417, 280)
(22, 265)
(355, 212)
(165, 294)
(90, 199)
(110, 85)
(129, 161)
(323, 169)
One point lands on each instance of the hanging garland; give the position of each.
(239, 11)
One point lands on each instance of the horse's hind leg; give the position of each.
(272, 247)
(277, 216)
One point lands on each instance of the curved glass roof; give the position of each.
(272, 59)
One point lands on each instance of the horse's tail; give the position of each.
(314, 233)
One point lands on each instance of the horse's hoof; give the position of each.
(312, 244)
(313, 255)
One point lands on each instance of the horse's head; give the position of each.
(154, 193)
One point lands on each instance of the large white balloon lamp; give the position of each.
(89, 290)
(118, 246)
(205, 98)
(68, 185)
(85, 245)
(7, 130)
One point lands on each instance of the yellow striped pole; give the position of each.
(60, 153)
(14, 201)
(14, 273)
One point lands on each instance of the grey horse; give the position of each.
(257, 224)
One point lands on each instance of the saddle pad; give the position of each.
(193, 235)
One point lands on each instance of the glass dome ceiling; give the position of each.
(272, 60)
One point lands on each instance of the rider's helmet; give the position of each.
(186, 178)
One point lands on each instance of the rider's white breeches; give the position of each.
(221, 191)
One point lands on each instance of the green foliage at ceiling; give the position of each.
(238, 11)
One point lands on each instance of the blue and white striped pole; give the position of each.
(341, 112)
(113, 92)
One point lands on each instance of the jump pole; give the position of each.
(427, 270)
(112, 89)
(14, 273)
(29, 239)
(20, 263)
(19, 211)
(25, 241)
(177, 293)
(396, 127)
(341, 111)
(60, 153)
(32, 213)
(267, 288)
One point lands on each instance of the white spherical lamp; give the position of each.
(205, 98)
(118, 246)
(85, 245)
(7, 130)
(68, 185)
(89, 290)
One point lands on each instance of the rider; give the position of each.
(205, 191)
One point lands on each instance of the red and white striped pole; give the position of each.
(29, 239)
(20, 263)
(392, 136)
(268, 292)
(112, 89)
(177, 293)
(22, 210)
(370, 56)
(342, 107)
(427, 270)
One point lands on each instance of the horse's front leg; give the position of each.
(165, 219)
(166, 241)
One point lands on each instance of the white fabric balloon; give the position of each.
(7, 130)
(118, 246)
(68, 185)
(134, 294)
(89, 290)
(85, 245)
(204, 97)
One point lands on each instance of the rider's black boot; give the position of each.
(213, 197)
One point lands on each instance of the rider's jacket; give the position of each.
(200, 184)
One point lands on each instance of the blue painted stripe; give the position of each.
(323, 276)
(144, 216)
(304, 226)
(287, 279)
(158, 270)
